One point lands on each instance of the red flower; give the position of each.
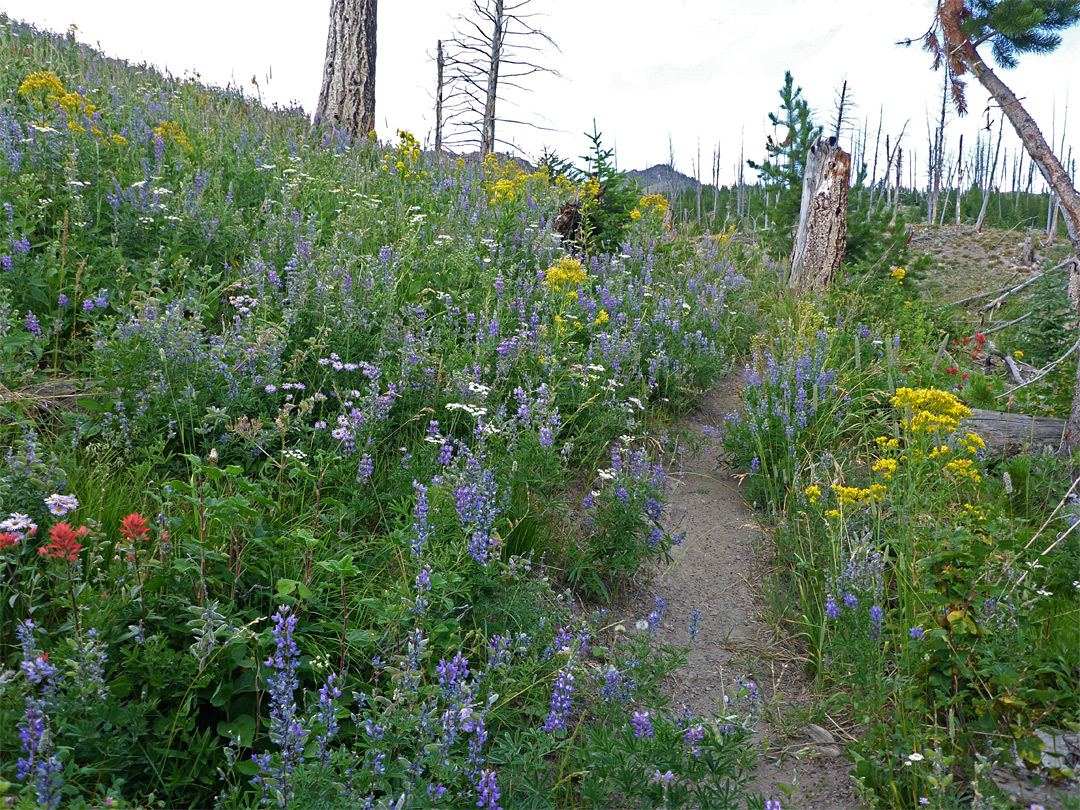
(951, 370)
(134, 527)
(967, 340)
(980, 338)
(965, 375)
(8, 539)
(65, 542)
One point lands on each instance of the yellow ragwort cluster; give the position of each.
(566, 272)
(853, 496)
(170, 132)
(928, 410)
(45, 84)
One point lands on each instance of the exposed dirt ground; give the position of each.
(715, 571)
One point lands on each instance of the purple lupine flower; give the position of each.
(755, 464)
(6, 263)
(475, 501)
(365, 468)
(851, 600)
(657, 614)
(695, 617)
(87, 305)
(832, 610)
(488, 791)
(286, 729)
(642, 725)
(446, 454)
(32, 325)
(917, 633)
(421, 527)
(547, 439)
(100, 301)
(327, 711)
(876, 615)
(21, 245)
(693, 738)
(773, 804)
(562, 697)
(62, 301)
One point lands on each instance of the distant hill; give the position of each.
(662, 179)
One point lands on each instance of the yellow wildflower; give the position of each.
(929, 410)
(964, 468)
(898, 273)
(885, 466)
(877, 491)
(565, 272)
(813, 493)
(1018, 354)
(602, 317)
(42, 80)
(832, 513)
(168, 131)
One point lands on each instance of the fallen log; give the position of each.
(1011, 433)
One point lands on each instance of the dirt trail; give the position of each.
(715, 572)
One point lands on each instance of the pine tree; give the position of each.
(782, 170)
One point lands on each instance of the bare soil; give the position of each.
(716, 570)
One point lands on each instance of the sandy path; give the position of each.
(714, 572)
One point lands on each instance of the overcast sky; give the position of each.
(690, 71)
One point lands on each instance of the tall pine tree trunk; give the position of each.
(347, 97)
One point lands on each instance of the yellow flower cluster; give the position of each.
(406, 156)
(813, 493)
(602, 317)
(853, 496)
(974, 512)
(887, 443)
(898, 273)
(885, 466)
(42, 80)
(964, 468)
(928, 410)
(655, 202)
(45, 82)
(565, 272)
(171, 132)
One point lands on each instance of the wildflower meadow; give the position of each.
(325, 460)
(330, 471)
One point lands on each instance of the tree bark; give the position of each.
(819, 240)
(439, 63)
(347, 97)
(487, 138)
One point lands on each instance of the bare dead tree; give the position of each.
(820, 237)
(959, 178)
(440, 64)
(347, 95)
(989, 187)
(496, 46)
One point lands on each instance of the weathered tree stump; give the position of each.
(819, 240)
(1009, 433)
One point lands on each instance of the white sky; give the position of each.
(703, 71)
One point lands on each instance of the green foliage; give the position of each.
(609, 198)
(1031, 26)
(782, 170)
